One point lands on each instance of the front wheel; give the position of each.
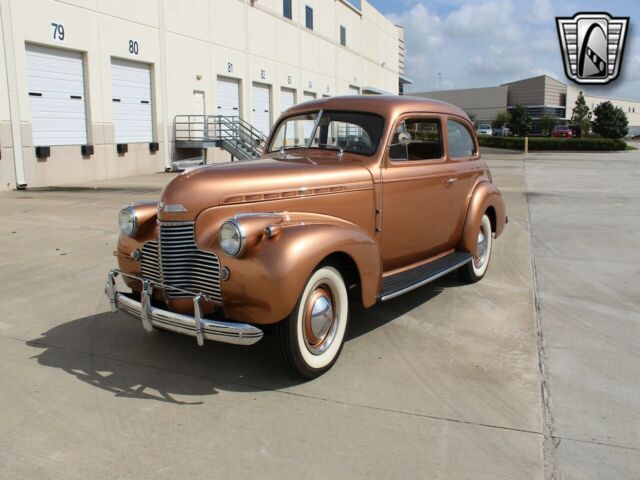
(311, 338)
(476, 268)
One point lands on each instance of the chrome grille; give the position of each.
(149, 262)
(182, 264)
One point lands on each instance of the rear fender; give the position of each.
(485, 197)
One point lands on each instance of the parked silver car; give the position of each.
(484, 129)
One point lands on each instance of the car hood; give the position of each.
(252, 181)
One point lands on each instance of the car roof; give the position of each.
(388, 106)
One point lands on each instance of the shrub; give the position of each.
(611, 121)
(519, 120)
(502, 118)
(545, 143)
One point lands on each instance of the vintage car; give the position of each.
(355, 199)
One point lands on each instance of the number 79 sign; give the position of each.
(57, 32)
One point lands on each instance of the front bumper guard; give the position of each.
(196, 326)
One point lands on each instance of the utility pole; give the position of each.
(440, 79)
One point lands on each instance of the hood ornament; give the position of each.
(171, 208)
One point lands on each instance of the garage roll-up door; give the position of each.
(56, 96)
(228, 97)
(354, 90)
(131, 100)
(308, 96)
(261, 100)
(287, 98)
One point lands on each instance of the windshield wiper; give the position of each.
(328, 146)
(283, 155)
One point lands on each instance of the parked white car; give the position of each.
(484, 129)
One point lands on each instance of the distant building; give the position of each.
(540, 95)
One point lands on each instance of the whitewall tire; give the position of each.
(311, 338)
(477, 268)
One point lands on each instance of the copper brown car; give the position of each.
(356, 199)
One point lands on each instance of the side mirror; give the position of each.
(404, 138)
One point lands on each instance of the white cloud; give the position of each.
(491, 42)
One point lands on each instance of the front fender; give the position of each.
(485, 196)
(264, 286)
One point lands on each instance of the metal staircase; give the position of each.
(233, 134)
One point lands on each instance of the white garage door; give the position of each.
(354, 90)
(261, 100)
(307, 96)
(131, 100)
(56, 96)
(228, 97)
(287, 98)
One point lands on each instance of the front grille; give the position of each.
(150, 263)
(178, 262)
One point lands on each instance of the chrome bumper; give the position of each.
(196, 326)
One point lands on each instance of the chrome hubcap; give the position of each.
(320, 321)
(483, 243)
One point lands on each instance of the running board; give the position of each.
(404, 282)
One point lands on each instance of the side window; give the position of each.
(459, 140)
(417, 139)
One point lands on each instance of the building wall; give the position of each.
(188, 45)
(555, 92)
(630, 107)
(527, 92)
(481, 103)
(7, 163)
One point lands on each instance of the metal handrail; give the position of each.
(195, 127)
(231, 129)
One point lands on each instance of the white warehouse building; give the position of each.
(95, 89)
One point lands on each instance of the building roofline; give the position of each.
(533, 78)
(455, 90)
(586, 94)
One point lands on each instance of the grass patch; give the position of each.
(558, 144)
(631, 147)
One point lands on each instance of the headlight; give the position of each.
(128, 222)
(232, 238)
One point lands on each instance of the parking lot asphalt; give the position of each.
(443, 382)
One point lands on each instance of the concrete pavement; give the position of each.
(586, 244)
(441, 383)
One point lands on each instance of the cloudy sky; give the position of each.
(489, 42)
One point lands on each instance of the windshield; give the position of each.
(353, 132)
(484, 127)
(561, 127)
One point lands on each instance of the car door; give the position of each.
(416, 192)
(463, 155)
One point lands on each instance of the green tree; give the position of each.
(501, 119)
(610, 121)
(472, 117)
(547, 122)
(581, 115)
(519, 121)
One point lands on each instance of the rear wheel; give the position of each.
(311, 338)
(476, 268)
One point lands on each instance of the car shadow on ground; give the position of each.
(111, 351)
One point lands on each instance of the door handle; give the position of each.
(452, 180)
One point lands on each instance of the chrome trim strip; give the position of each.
(390, 296)
(198, 326)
